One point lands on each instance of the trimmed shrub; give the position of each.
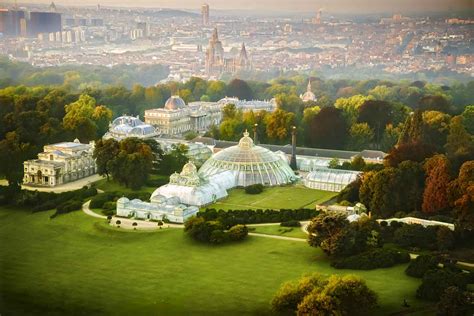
(420, 265)
(109, 206)
(238, 232)
(254, 188)
(291, 223)
(372, 259)
(66, 207)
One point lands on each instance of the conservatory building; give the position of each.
(129, 126)
(191, 189)
(327, 179)
(250, 164)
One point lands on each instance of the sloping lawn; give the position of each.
(289, 197)
(277, 230)
(75, 264)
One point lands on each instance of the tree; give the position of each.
(468, 118)
(279, 125)
(408, 151)
(350, 107)
(238, 232)
(84, 120)
(460, 144)
(342, 295)
(105, 151)
(291, 294)
(420, 265)
(101, 116)
(12, 154)
(435, 196)
(360, 136)
(434, 103)
(174, 160)
(216, 90)
(377, 114)
(453, 302)
(435, 282)
(135, 224)
(118, 222)
(132, 164)
(328, 129)
(239, 89)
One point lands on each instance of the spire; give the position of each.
(215, 37)
(243, 53)
(308, 89)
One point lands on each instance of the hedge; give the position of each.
(372, 259)
(234, 217)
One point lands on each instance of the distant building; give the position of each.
(216, 63)
(129, 126)
(308, 95)
(12, 22)
(60, 163)
(177, 118)
(205, 14)
(43, 22)
(145, 27)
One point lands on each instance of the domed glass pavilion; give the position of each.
(250, 164)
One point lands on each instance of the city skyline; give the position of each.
(337, 6)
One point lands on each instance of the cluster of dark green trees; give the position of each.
(131, 161)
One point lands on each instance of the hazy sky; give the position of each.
(339, 6)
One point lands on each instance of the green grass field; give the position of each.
(296, 232)
(76, 264)
(112, 186)
(291, 197)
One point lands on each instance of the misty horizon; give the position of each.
(296, 6)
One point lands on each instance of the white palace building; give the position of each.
(60, 163)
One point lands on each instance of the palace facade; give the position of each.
(60, 163)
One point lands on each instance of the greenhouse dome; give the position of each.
(327, 179)
(250, 164)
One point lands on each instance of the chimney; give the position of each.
(293, 148)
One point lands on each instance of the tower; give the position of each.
(317, 18)
(242, 61)
(214, 55)
(205, 14)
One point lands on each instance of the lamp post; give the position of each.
(255, 133)
(293, 148)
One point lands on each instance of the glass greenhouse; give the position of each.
(250, 164)
(329, 179)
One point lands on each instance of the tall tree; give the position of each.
(132, 164)
(105, 151)
(279, 125)
(435, 196)
(460, 144)
(377, 114)
(360, 136)
(239, 89)
(328, 129)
